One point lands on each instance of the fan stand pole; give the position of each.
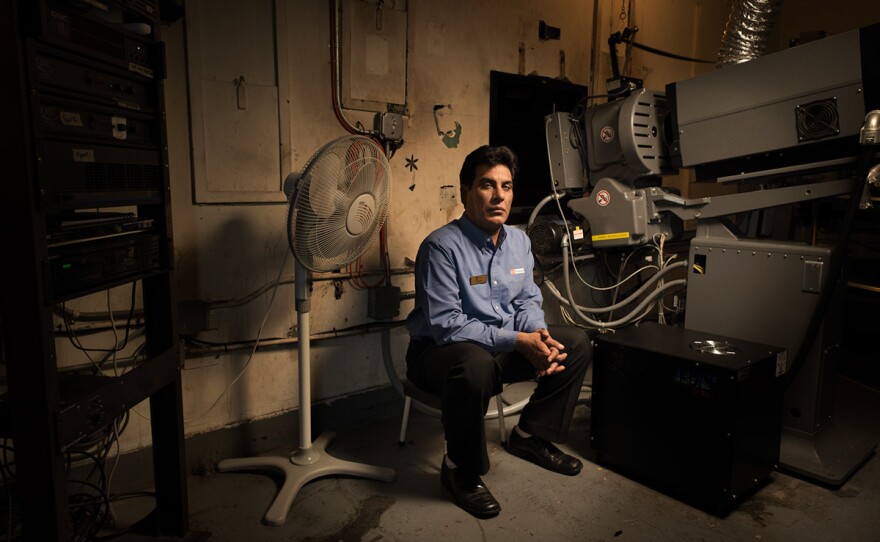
(311, 460)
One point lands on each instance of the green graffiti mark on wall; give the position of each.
(451, 139)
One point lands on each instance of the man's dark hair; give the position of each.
(487, 156)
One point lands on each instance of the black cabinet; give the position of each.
(86, 207)
(693, 414)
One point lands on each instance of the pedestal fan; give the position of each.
(335, 212)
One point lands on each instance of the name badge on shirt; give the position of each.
(517, 271)
(479, 279)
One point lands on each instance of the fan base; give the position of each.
(296, 476)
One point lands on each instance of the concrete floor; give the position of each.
(536, 505)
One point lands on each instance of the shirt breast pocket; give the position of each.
(516, 281)
(517, 274)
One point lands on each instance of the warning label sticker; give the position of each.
(607, 134)
(603, 198)
(610, 236)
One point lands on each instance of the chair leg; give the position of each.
(407, 407)
(500, 406)
(407, 403)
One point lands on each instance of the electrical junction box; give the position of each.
(383, 302)
(692, 414)
(389, 126)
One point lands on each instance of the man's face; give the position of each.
(487, 201)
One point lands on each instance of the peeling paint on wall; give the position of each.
(448, 200)
(448, 128)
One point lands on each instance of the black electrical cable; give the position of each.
(98, 464)
(627, 36)
(89, 502)
(88, 512)
(660, 52)
(74, 340)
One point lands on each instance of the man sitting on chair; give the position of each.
(478, 323)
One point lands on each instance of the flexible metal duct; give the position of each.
(748, 30)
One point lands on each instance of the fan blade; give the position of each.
(341, 203)
(330, 165)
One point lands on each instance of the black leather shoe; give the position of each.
(469, 493)
(543, 453)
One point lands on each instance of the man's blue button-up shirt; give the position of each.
(468, 289)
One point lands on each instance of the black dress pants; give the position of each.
(466, 376)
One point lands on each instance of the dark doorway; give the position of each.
(518, 105)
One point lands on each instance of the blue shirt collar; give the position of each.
(477, 236)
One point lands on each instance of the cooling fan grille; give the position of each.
(340, 203)
(546, 236)
(817, 120)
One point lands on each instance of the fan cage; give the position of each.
(817, 120)
(340, 203)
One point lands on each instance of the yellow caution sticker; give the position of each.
(610, 236)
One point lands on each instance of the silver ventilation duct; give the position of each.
(748, 30)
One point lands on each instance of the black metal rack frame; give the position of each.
(93, 74)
